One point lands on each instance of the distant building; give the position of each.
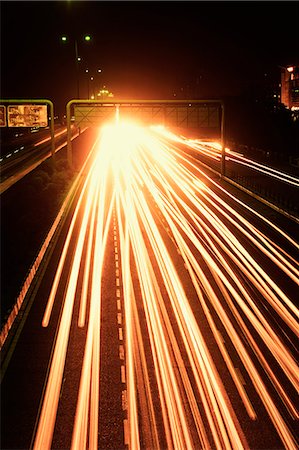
(290, 87)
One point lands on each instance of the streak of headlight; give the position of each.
(186, 380)
(270, 408)
(194, 167)
(50, 403)
(48, 138)
(189, 257)
(283, 264)
(59, 270)
(283, 431)
(250, 264)
(252, 210)
(195, 214)
(267, 170)
(47, 418)
(177, 430)
(274, 417)
(198, 353)
(48, 414)
(264, 168)
(276, 256)
(142, 272)
(188, 160)
(171, 424)
(88, 398)
(213, 150)
(83, 300)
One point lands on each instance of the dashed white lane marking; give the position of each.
(126, 432)
(121, 352)
(120, 334)
(123, 373)
(124, 399)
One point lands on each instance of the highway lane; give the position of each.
(23, 160)
(173, 313)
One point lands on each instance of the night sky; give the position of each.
(146, 49)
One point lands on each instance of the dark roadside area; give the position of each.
(266, 132)
(263, 130)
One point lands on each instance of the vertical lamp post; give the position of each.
(86, 38)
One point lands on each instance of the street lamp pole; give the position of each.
(87, 38)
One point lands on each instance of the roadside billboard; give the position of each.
(27, 116)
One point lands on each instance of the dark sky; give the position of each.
(146, 49)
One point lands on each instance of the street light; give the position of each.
(91, 77)
(78, 59)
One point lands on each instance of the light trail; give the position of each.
(213, 150)
(42, 141)
(147, 182)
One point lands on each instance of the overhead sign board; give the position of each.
(89, 116)
(188, 115)
(203, 116)
(27, 116)
(2, 116)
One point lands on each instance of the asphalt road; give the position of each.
(174, 315)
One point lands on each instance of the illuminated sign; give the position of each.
(2, 116)
(27, 116)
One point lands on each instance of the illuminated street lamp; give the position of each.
(91, 78)
(78, 59)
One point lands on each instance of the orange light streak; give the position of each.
(132, 171)
(213, 150)
(48, 138)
